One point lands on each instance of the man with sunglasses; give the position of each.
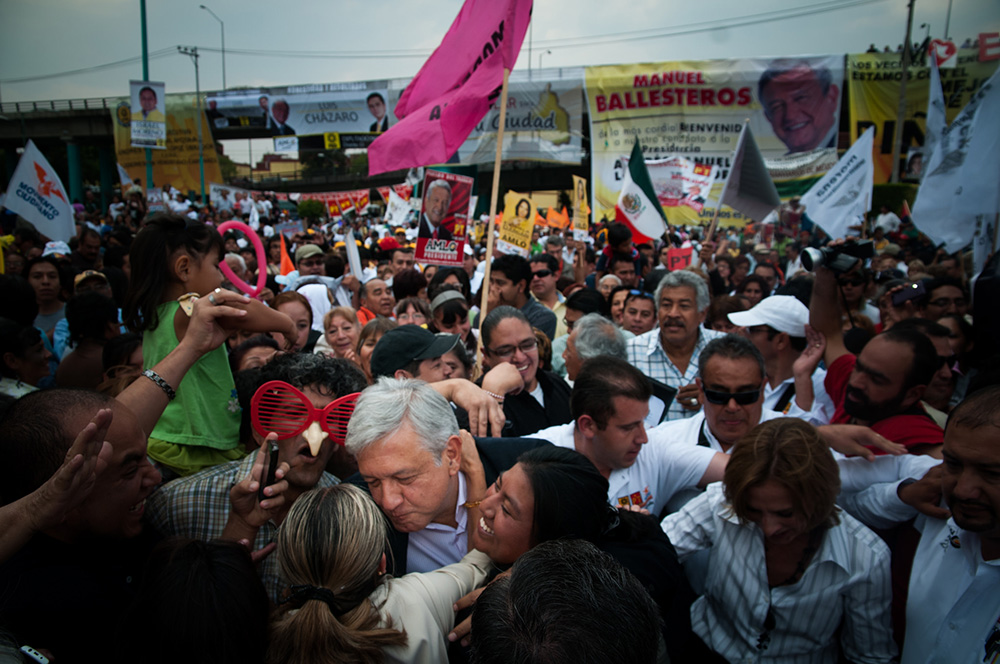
(777, 327)
(226, 501)
(882, 386)
(544, 276)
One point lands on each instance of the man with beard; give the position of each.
(883, 385)
(953, 605)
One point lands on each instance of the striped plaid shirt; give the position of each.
(645, 353)
(198, 507)
(845, 590)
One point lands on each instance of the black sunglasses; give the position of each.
(541, 274)
(722, 398)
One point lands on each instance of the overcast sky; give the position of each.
(43, 37)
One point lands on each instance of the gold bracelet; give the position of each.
(469, 504)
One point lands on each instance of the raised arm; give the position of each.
(204, 333)
(824, 313)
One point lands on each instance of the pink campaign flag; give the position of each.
(433, 133)
(482, 29)
(455, 88)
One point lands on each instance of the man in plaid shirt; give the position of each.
(669, 353)
(216, 502)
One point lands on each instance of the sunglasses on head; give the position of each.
(741, 398)
(280, 408)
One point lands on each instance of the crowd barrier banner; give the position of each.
(178, 164)
(696, 109)
(873, 93)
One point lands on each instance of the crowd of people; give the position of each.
(737, 460)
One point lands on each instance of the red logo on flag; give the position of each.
(47, 187)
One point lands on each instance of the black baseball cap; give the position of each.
(405, 344)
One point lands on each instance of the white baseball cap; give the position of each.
(782, 312)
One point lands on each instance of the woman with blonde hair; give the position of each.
(342, 607)
(342, 330)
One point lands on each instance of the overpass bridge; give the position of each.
(62, 128)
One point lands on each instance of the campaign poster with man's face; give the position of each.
(444, 215)
(149, 120)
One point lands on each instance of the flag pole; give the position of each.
(725, 185)
(493, 205)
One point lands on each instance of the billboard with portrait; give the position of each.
(696, 109)
(352, 108)
(873, 84)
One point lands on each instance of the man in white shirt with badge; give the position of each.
(777, 326)
(609, 403)
(953, 606)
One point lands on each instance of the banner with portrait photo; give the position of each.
(518, 224)
(581, 209)
(178, 164)
(544, 122)
(873, 93)
(352, 108)
(696, 109)
(148, 120)
(444, 218)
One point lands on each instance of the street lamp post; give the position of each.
(193, 52)
(223, 27)
(542, 55)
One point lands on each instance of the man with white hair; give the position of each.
(669, 352)
(437, 201)
(406, 440)
(593, 335)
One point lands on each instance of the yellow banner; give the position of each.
(696, 109)
(581, 209)
(518, 224)
(178, 164)
(873, 85)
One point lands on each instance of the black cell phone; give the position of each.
(270, 465)
(910, 292)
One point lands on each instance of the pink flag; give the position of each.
(432, 133)
(482, 31)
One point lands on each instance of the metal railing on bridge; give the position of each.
(91, 104)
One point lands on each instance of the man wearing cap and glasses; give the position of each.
(777, 326)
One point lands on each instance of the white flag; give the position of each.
(254, 221)
(936, 123)
(844, 193)
(397, 211)
(124, 178)
(749, 188)
(962, 178)
(36, 193)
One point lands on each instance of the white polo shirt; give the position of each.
(660, 470)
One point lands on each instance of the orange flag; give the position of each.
(287, 265)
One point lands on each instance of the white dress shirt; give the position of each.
(822, 407)
(953, 606)
(844, 591)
